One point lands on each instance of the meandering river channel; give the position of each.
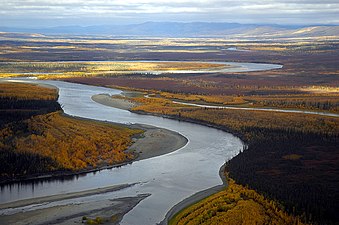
(168, 179)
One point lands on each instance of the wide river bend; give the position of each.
(168, 178)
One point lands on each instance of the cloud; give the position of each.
(131, 11)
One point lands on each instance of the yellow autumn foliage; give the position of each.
(70, 143)
(24, 91)
(214, 99)
(73, 144)
(238, 120)
(232, 206)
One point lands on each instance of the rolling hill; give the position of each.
(196, 29)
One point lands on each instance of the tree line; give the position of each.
(289, 157)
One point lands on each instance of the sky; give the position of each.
(48, 13)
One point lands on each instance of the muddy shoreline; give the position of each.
(40, 200)
(107, 211)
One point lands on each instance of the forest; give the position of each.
(290, 160)
(22, 101)
(299, 149)
(36, 138)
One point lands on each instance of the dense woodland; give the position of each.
(300, 169)
(292, 158)
(22, 101)
(35, 140)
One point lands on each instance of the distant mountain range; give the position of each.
(197, 29)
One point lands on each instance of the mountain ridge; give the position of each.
(194, 29)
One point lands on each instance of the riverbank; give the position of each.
(154, 141)
(41, 200)
(72, 208)
(195, 198)
(119, 103)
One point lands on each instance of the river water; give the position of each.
(168, 178)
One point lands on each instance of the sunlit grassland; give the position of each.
(52, 70)
(58, 44)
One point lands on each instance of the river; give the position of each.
(168, 178)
